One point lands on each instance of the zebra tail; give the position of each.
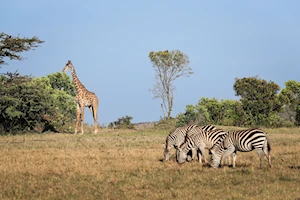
(268, 144)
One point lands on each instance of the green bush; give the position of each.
(122, 123)
(31, 104)
(193, 115)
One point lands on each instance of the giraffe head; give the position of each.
(69, 66)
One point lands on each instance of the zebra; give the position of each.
(244, 141)
(177, 137)
(197, 138)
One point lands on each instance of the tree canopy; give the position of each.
(11, 47)
(168, 66)
(259, 98)
(61, 81)
(29, 103)
(212, 111)
(290, 95)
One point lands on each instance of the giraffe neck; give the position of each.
(78, 85)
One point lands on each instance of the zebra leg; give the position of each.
(190, 155)
(228, 160)
(227, 152)
(199, 154)
(233, 159)
(261, 157)
(202, 150)
(266, 150)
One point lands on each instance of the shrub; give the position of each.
(31, 104)
(122, 123)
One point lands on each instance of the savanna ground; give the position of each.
(129, 165)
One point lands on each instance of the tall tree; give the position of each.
(168, 66)
(259, 98)
(11, 47)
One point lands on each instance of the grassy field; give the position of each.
(129, 165)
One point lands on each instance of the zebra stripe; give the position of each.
(244, 141)
(177, 137)
(197, 138)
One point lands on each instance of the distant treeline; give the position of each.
(261, 103)
(47, 103)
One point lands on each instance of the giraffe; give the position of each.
(84, 98)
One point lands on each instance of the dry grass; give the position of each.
(128, 165)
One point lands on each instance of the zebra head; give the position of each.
(181, 156)
(167, 153)
(215, 158)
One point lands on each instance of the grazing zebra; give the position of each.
(197, 138)
(177, 137)
(244, 141)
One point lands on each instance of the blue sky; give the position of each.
(109, 42)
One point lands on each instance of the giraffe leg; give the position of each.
(93, 110)
(82, 119)
(77, 118)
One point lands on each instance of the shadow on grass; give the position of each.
(294, 167)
